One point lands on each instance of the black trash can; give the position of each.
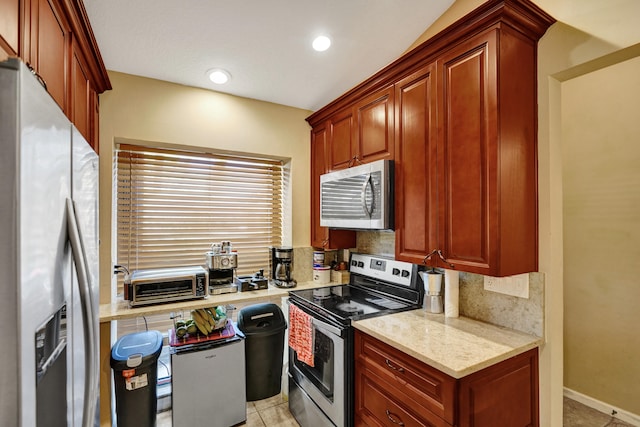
(134, 360)
(263, 325)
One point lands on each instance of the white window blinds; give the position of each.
(171, 205)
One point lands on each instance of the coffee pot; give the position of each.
(281, 266)
(432, 280)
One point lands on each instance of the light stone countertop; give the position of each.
(121, 310)
(456, 346)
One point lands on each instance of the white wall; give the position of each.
(601, 200)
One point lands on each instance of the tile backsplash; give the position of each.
(522, 314)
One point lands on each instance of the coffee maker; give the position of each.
(281, 266)
(222, 262)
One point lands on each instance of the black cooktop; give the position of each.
(349, 303)
(377, 286)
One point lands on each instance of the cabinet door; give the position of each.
(341, 148)
(467, 155)
(415, 166)
(374, 118)
(319, 235)
(9, 27)
(505, 394)
(84, 108)
(80, 93)
(50, 39)
(323, 237)
(95, 121)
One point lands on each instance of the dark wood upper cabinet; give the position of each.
(323, 237)
(415, 172)
(55, 39)
(50, 44)
(458, 116)
(341, 141)
(361, 132)
(487, 219)
(374, 127)
(81, 93)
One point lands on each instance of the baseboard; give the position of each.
(603, 407)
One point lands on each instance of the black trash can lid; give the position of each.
(261, 319)
(136, 350)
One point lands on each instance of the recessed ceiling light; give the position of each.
(219, 76)
(321, 43)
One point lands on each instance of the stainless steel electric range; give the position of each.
(323, 394)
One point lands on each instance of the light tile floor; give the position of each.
(274, 412)
(271, 412)
(578, 415)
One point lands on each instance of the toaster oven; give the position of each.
(162, 285)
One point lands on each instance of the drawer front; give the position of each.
(427, 386)
(380, 405)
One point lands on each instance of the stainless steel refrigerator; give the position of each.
(49, 355)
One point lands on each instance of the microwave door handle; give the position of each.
(90, 354)
(363, 196)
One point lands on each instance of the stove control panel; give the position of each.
(389, 270)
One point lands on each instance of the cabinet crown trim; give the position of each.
(522, 15)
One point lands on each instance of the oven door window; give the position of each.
(322, 374)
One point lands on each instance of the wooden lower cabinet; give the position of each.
(393, 388)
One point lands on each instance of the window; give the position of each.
(172, 205)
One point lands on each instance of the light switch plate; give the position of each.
(517, 286)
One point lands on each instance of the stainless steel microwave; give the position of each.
(358, 198)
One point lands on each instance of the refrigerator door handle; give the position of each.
(90, 354)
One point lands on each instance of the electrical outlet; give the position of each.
(517, 286)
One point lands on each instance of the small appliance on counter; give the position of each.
(221, 263)
(432, 280)
(163, 285)
(281, 267)
(253, 282)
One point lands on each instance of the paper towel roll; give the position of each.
(451, 293)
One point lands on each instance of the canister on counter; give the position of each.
(318, 258)
(321, 274)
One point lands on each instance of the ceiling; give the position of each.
(264, 44)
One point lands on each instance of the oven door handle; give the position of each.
(318, 324)
(318, 320)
